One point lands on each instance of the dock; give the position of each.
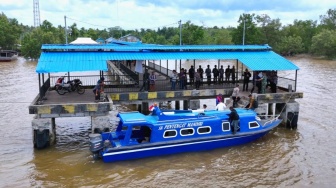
(123, 87)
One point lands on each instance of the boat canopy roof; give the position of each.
(79, 57)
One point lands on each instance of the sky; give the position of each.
(154, 14)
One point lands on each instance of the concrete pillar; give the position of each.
(177, 105)
(145, 108)
(185, 104)
(101, 124)
(53, 131)
(195, 104)
(43, 133)
(290, 114)
(139, 108)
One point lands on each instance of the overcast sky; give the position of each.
(152, 14)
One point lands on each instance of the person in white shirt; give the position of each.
(235, 96)
(220, 106)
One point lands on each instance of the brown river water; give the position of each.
(284, 158)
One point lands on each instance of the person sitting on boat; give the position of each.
(252, 103)
(156, 110)
(234, 118)
(220, 106)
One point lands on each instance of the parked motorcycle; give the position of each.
(72, 85)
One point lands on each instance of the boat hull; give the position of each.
(169, 148)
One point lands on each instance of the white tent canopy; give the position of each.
(83, 40)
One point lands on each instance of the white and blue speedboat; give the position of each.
(169, 132)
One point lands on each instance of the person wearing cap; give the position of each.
(98, 88)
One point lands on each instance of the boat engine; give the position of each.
(96, 143)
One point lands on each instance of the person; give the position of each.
(173, 80)
(227, 74)
(204, 106)
(251, 105)
(233, 74)
(191, 73)
(201, 71)
(152, 80)
(221, 75)
(235, 96)
(145, 80)
(263, 82)
(185, 79)
(98, 88)
(234, 119)
(220, 106)
(215, 73)
(208, 74)
(258, 79)
(198, 79)
(246, 81)
(219, 98)
(182, 78)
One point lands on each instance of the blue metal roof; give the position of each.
(141, 47)
(70, 61)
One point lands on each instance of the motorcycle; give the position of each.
(72, 85)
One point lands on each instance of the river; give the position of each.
(284, 158)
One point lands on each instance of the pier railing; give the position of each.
(119, 84)
(286, 84)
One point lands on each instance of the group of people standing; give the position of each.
(264, 79)
(196, 76)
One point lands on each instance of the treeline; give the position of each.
(303, 36)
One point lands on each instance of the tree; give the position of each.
(329, 21)
(305, 29)
(252, 34)
(290, 45)
(324, 44)
(9, 32)
(192, 34)
(269, 30)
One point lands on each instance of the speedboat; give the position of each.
(167, 132)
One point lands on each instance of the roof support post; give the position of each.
(236, 69)
(40, 89)
(167, 68)
(295, 80)
(180, 64)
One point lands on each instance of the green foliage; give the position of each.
(192, 34)
(269, 30)
(9, 32)
(324, 43)
(303, 36)
(290, 45)
(329, 21)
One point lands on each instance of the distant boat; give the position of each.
(8, 55)
(177, 131)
